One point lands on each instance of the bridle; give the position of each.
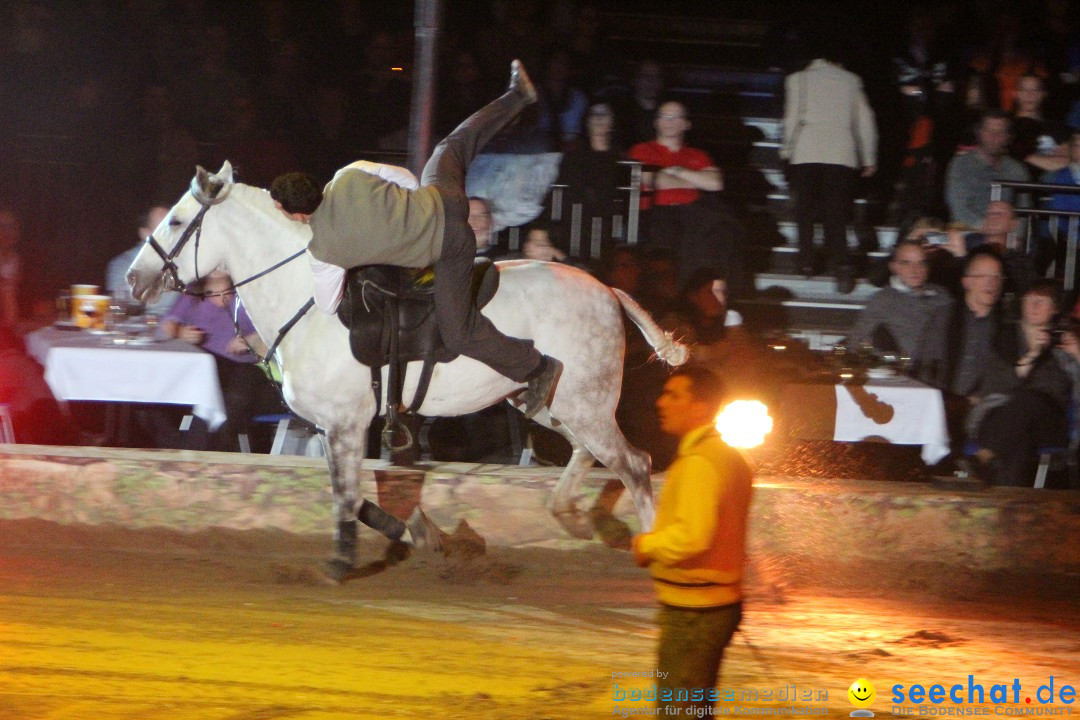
(194, 229)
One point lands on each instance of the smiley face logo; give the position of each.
(862, 693)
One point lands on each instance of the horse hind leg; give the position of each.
(562, 507)
(605, 441)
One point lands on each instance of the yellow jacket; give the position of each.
(696, 551)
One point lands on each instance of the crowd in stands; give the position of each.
(141, 92)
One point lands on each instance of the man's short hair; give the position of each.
(901, 244)
(981, 252)
(995, 114)
(705, 385)
(297, 192)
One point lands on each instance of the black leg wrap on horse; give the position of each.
(379, 520)
(345, 540)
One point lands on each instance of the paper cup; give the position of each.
(88, 311)
(80, 290)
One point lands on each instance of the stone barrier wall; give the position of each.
(801, 521)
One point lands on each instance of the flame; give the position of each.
(744, 423)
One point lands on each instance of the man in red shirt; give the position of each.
(677, 215)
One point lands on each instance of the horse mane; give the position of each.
(259, 200)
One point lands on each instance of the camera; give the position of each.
(936, 237)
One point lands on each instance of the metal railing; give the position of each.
(624, 226)
(1054, 219)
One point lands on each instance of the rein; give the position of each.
(170, 270)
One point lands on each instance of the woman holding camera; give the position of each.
(1026, 397)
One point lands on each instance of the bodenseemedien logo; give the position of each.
(861, 694)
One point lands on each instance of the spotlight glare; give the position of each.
(744, 423)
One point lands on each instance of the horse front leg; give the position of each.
(345, 453)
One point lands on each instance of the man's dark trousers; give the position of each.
(464, 330)
(827, 190)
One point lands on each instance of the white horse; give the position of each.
(567, 313)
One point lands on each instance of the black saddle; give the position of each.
(390, 314)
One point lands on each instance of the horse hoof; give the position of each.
(575, 523)
(336, 570)
(425, 534)
(396, 552)
(614, 532)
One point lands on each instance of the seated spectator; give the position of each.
(1023, 401)
(975, 322)
(621, 268)
(715, 332)
(561, 106)
(1037, 142)
(480, 222)
(116, 271)
(909, 316)
(10, 231)
(637, 115)
(967, 182)
(1068, 175)
(998, 234)
(36, 417)
(1055, 230)
(592, 176)
(660, 294)
(207, 321)
(678, 217)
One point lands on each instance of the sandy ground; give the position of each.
(105, 622)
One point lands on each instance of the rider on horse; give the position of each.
(363, 219)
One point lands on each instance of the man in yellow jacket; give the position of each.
(696, 552)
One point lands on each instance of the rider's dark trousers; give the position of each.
(464, 330)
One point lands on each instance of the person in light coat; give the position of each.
(829, 134)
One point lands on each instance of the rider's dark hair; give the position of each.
(297, 192)
(705, 385)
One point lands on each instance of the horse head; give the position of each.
(173, 254)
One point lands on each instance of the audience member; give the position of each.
(1023, 401)
(538, 245)
(208, 322)
(637, 115)
(561, 106)
(927, 93)
(480, 222)
(716, 334)
(697, 549)
(974, 329)
(36, 417)
(997, 233)
(829, 133)
(1037, 141)
(1068, 175)
(10, 270)
(967, 183)
(678, 216)
(592, 176)
(909, 316)
(116, 271)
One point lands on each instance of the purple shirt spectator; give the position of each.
(216, 323)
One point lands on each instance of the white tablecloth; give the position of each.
(81, 366)
(899, 410)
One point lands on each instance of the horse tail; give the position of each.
(664, 343)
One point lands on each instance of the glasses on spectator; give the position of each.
(672, 117)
